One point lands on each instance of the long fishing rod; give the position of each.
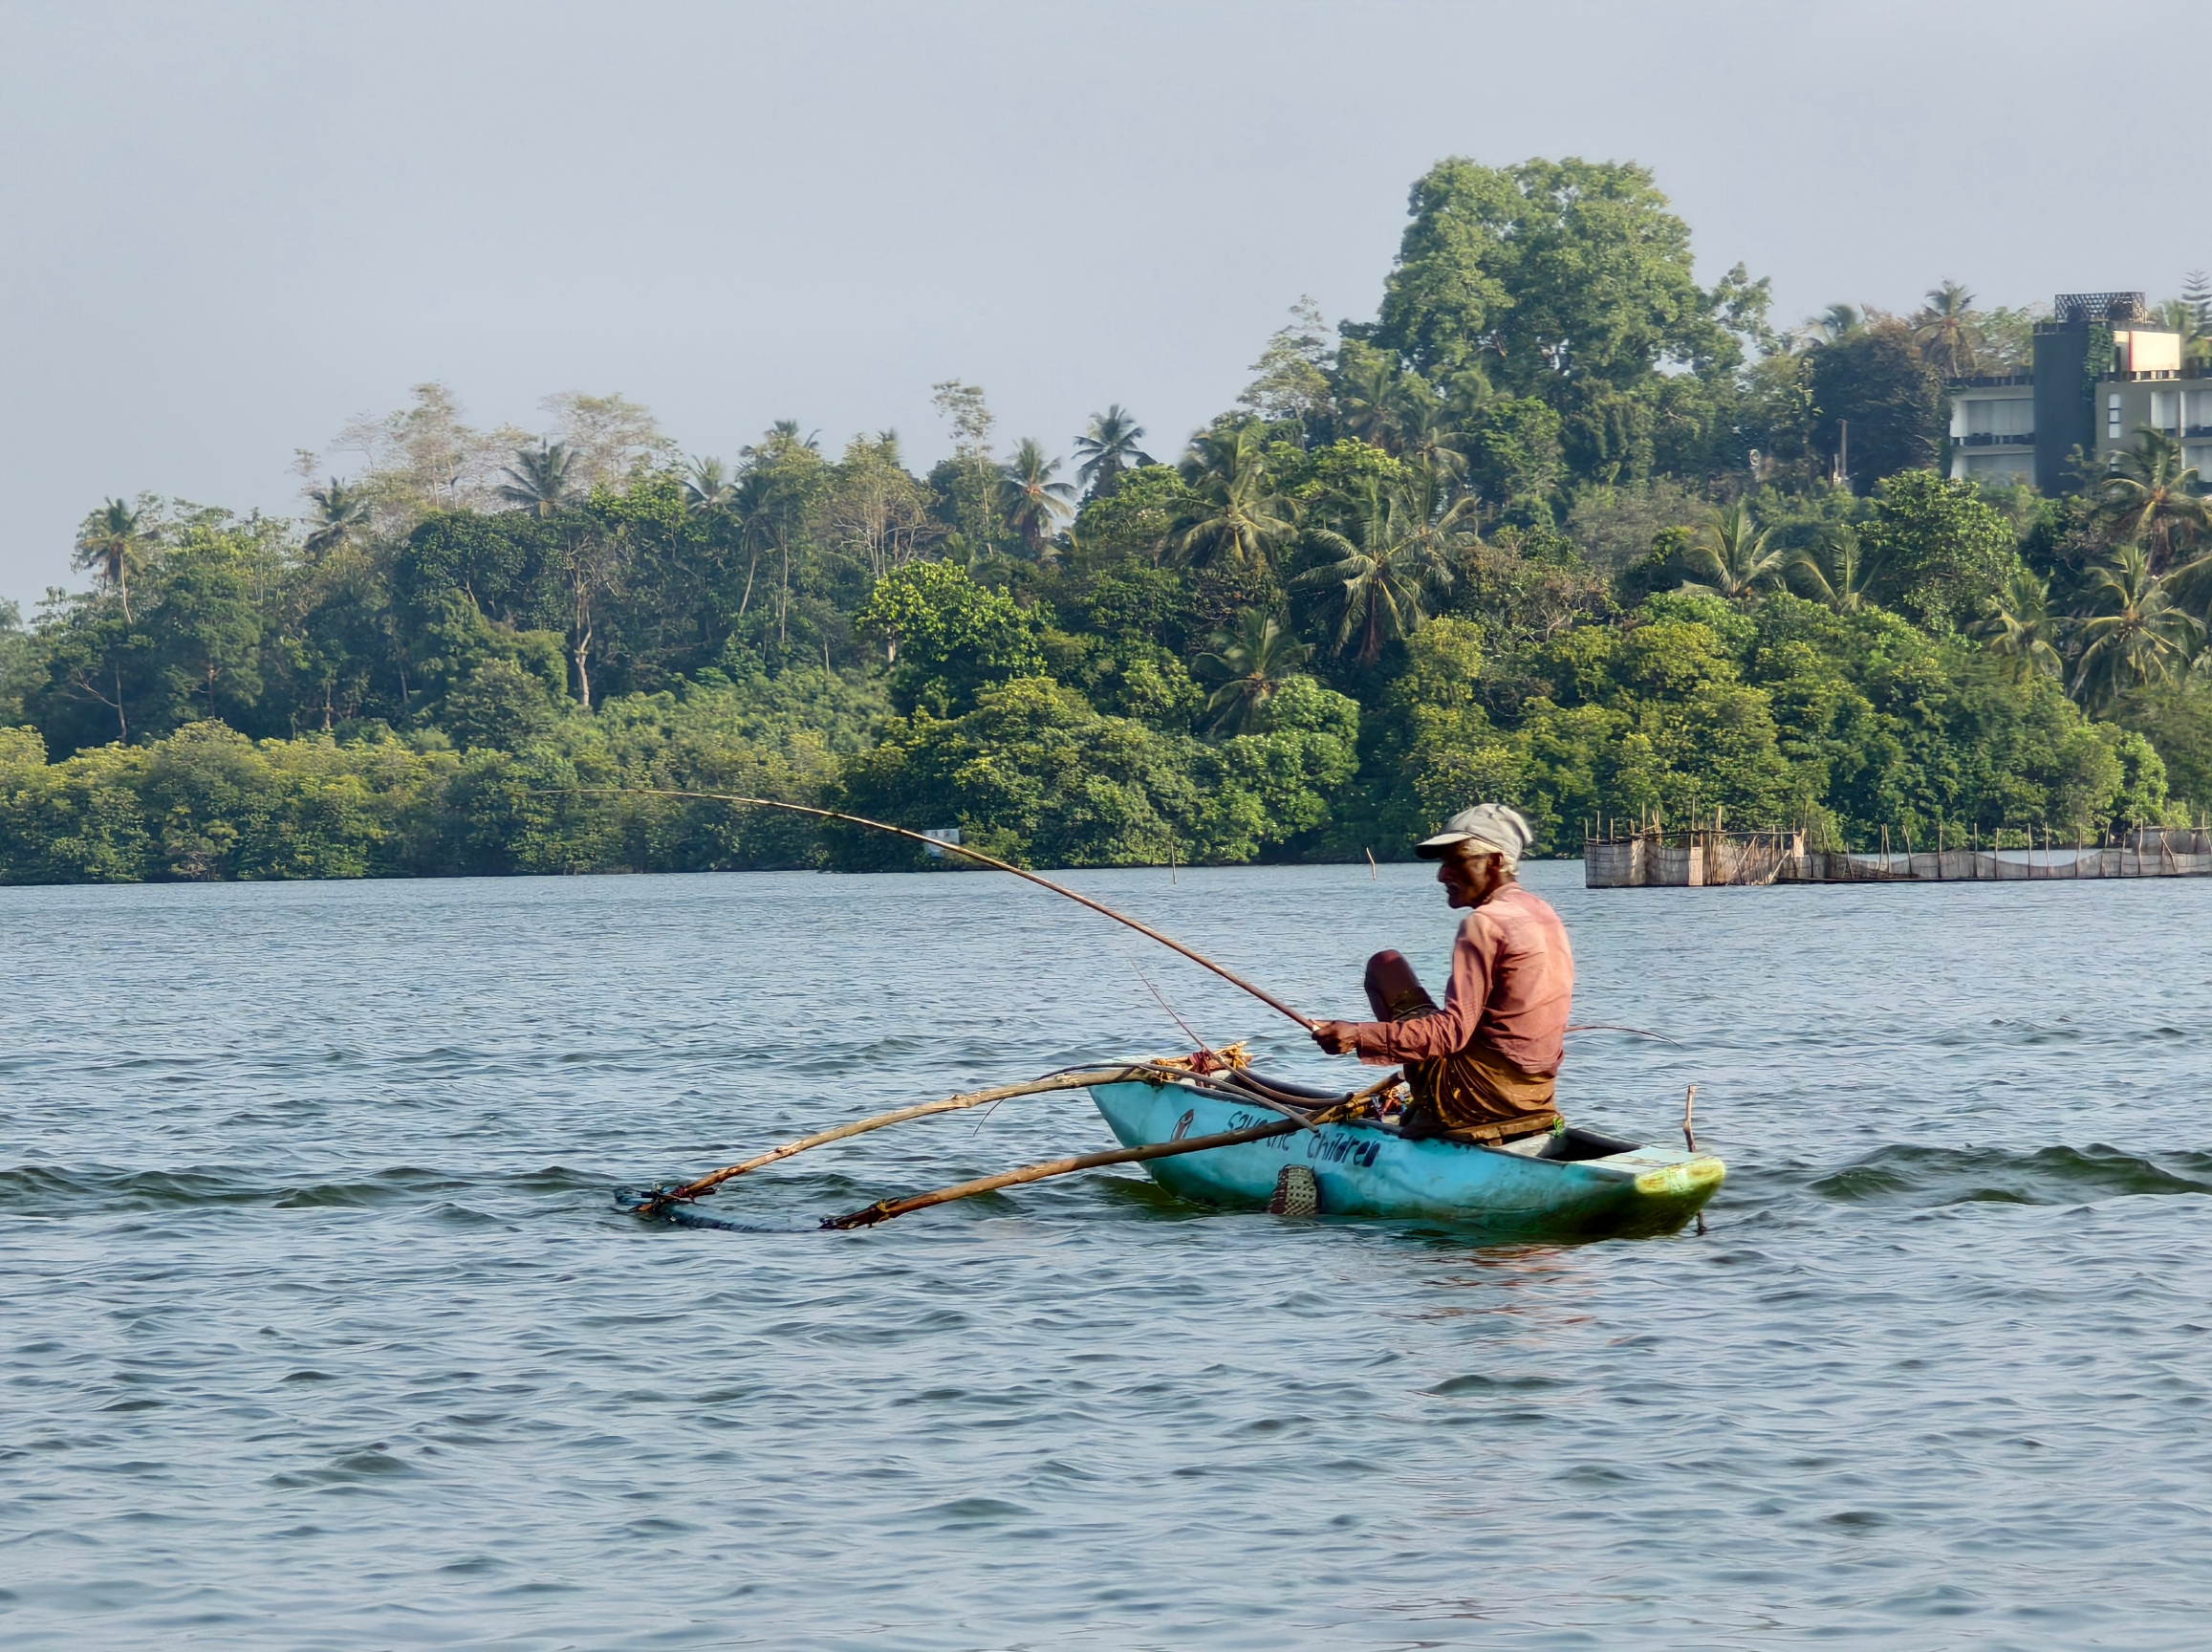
(943, 847)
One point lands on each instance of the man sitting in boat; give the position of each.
(1482, 1069)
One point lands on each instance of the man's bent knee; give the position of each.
(1394, 991)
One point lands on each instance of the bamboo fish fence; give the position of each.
(1626, 854)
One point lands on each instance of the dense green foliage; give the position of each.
(1561, 527)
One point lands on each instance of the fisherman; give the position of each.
(1483, 1068)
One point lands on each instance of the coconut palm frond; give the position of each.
(1034, 501)
(1732, 552)
(2131, 633)
(1248, 665)
(539, 481)
(1838, 574)
(1108, 448)
(2019, 628)
(1236, 515)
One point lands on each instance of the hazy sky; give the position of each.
(225, 229)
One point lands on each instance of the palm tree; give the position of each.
(1426, 433)
(339, 512)
(114, 541)
(1370, 400)
(758, 506)
(1248, 665)
(780, 485)
(1033, 501)
(1730, 549)
(1440, 519)
(2151, 498)
(784, 433)
(1236, 514)
(2019, 627)
(2132, 634)
(1945, 332)
(538, 482)
(1107, 448)
(1838, 323)
(1836, 575)
(1385, 573)
(707, 488)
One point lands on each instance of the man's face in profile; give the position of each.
(1471, 879)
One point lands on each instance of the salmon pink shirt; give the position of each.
(1512, 982)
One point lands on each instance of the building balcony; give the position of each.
(1990, 381)
(1997, 439)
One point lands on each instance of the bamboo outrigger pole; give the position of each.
(884, 1210)
(653, 1203)
(943, 847)
(660, 1198)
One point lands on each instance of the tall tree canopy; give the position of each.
(1552, 270)
(1877, 403)
(1426, 560)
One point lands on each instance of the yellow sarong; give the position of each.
(1476, 1094)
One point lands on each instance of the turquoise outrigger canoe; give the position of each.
(1575, 1184)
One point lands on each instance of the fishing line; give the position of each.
(1616, 1027)
(943, 847)
(983, 1119)
(1161, 998)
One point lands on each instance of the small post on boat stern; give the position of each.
(1690, 1141)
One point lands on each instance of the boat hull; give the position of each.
(1363, 1170)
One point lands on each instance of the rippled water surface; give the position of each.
(321, 1330)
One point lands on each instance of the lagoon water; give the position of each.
(320, 1328)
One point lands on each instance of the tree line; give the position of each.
(1559, 527)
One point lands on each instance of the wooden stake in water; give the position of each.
(1690, 1141)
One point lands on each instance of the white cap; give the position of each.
(1490, 828)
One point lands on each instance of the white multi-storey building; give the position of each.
(1993, 429)
(2027, 426)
